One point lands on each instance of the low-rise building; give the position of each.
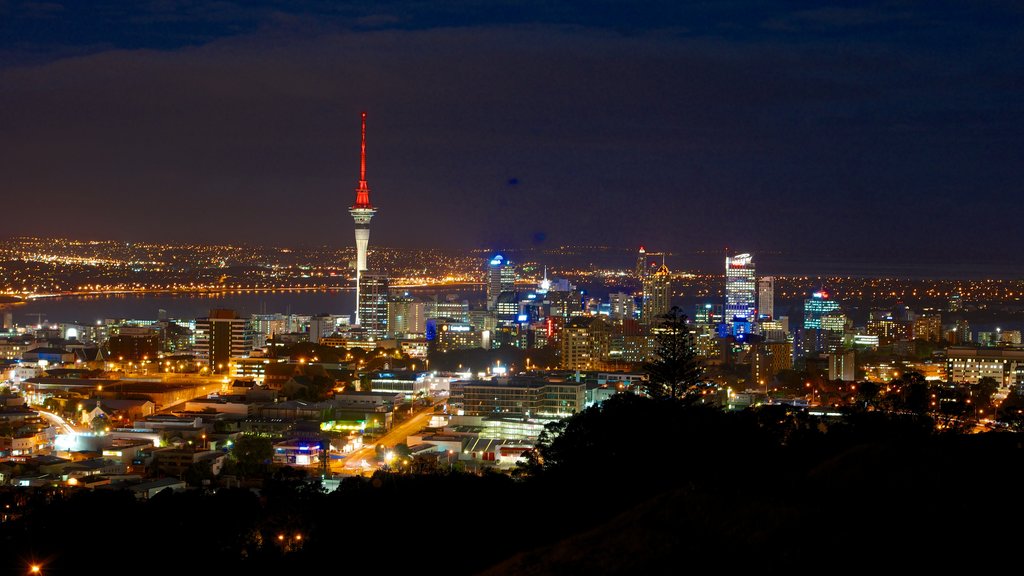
(969, 365)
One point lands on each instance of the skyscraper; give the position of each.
(740, 289)
(362, 212)
(501, 277)
(373, 304)
(656, 295)
(406, 315)
(766, 297)
(641, 264)
(817, 306)
(221, 336)
(621, 305)
(321, 326)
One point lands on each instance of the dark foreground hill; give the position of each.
(938, 503)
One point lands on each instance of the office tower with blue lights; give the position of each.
(362, 212)
(740, 290)
(500, 277)
(817, 306)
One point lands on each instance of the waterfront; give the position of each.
(188, 305)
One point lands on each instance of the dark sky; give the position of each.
(884, 131)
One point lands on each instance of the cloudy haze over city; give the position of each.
(896, 126)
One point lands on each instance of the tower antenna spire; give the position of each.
(363, 191)
(362, 155)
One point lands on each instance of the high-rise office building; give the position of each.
(641, 264)
(501, 277)
(841, 366)
(708, 313)
(221, 336)
(453, 309)
(362, 212)
(955, 302)
(766, 297)
(817, 306)
(740, 289)
(768, 359)
(321, 326)
(928, 327)
(373, 305)
(657, 295)
(586, 343)
(621, 306)
(406, 315)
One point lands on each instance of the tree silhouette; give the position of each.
(675, 371)
(253, 454)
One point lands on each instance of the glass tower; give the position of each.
(740, 289)
(815, 307)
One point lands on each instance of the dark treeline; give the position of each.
(636, 486)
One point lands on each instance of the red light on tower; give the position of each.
(363, 191)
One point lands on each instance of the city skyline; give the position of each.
(869, 123)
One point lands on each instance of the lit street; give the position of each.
(352, 463)
(57, 422)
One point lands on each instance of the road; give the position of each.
(353, 463)
(57, 422)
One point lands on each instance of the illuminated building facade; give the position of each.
(657, 295)
(450, 336)
(506, 307)
(457, 310)
(373, 305)
(621, 305)
(519, 398)
(254, 369)
(768, 359)
(408, 383)
(766, 297)
(641, 264)
(219, 337)
(708, 313)
(969, 365)
(817, 306)
(264, 326)
(586, 343)
(322, 326)
(928, 328)
(500, 277)
(841, 366)
(740, 290)
(406, 315)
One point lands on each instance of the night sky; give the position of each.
(880, 132)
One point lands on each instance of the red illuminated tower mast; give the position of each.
(362, 212)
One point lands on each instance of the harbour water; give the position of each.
(189, 305)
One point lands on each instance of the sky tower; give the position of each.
(362, 212)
